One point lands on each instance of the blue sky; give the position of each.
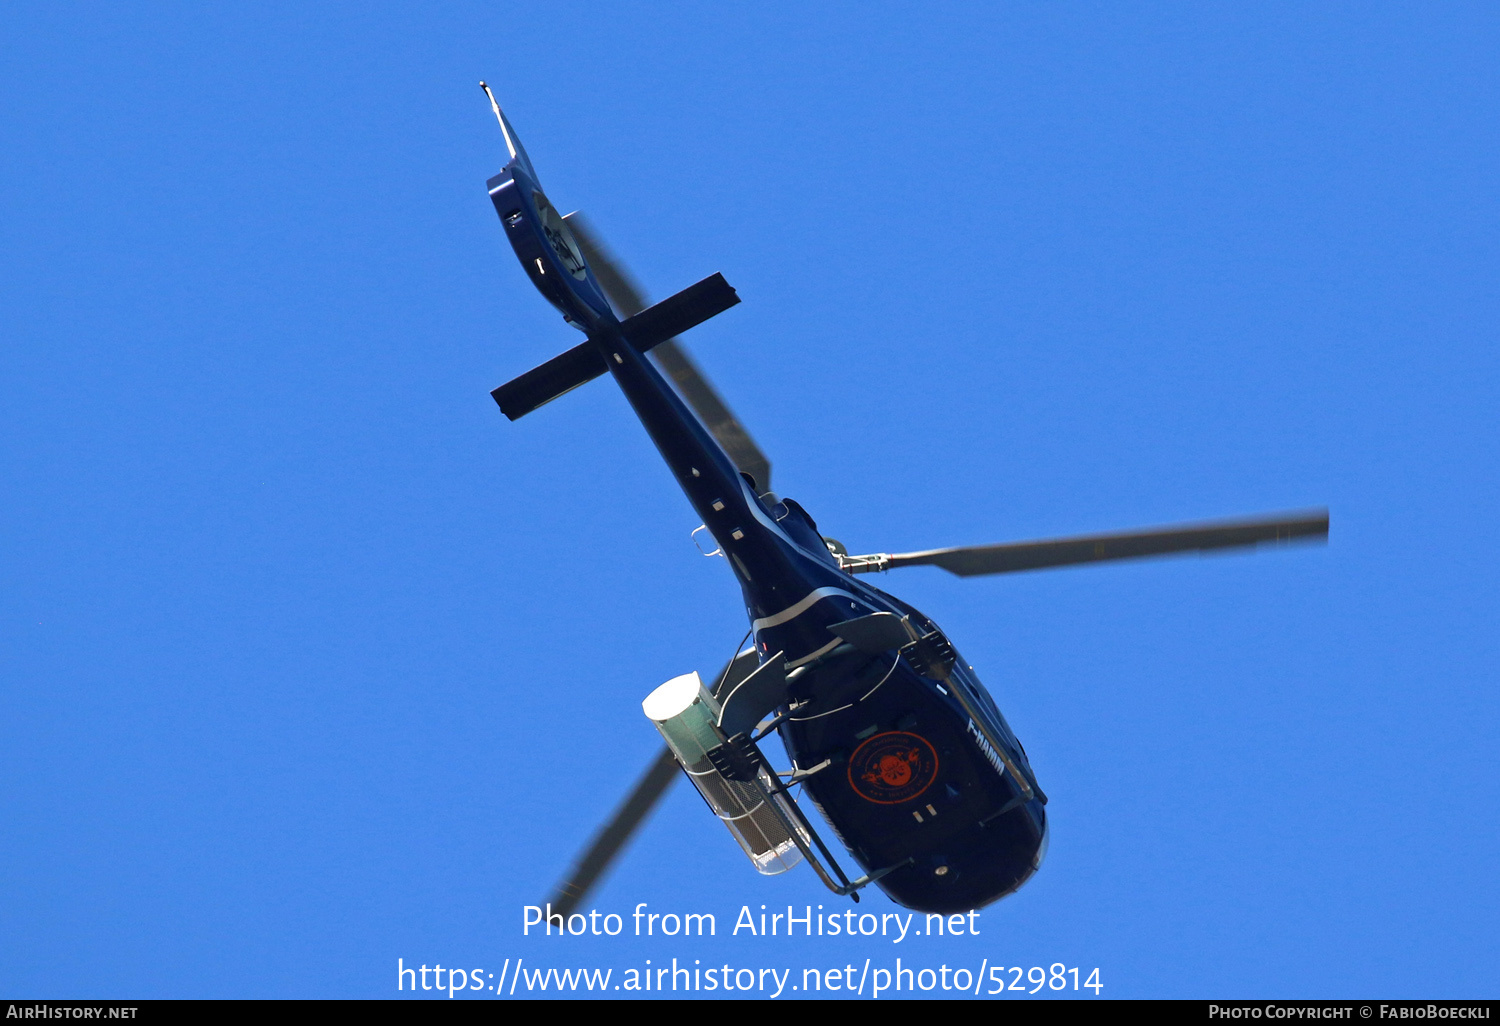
(312, 661)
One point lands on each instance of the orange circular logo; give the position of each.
(893, 767)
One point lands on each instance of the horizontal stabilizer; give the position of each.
(676, 314)
(583, 363)
(541, 385)
(628, 300)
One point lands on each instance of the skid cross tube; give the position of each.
(845, 886)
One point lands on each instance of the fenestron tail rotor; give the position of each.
(1013, 557)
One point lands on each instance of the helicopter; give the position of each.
(891, 735)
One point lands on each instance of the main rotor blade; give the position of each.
(607, 844)
(630, 300)
(971, 561)
(659, 776)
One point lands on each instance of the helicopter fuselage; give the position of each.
(890, 732)
(913, 765)
(917, 771)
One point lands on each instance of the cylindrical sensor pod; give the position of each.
(759, 818)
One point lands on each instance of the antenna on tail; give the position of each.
(510, 140)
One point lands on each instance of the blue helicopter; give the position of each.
(891, 734)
